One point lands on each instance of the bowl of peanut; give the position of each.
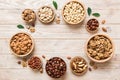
(21, 44)
(74, 12)
(100, 48)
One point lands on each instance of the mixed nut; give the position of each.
(73, 12)
(56, 67)
(29, 16)
(78, 65)
(99, 47)
(46, 14)
(92, 25)
(21, 44)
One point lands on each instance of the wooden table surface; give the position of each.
(57, 39)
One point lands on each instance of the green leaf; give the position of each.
(96, 14)
(89, 10)
(20, 26)
(55, 4)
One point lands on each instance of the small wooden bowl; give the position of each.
(78, 74)
(92, 32)
(31, 22)
(82, 17)
(104, 60)
(47, 21)
(26, 53)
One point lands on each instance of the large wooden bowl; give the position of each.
(26, 53)
(104, 60)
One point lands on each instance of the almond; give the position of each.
(104, 29)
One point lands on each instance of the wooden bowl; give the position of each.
(49, 20)
(26, 53)
(92, 32)
(78, 74)
(82, 17)
(104, 60)
(31, 22)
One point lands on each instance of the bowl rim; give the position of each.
(78, 74)
(26, 53)
(53, 17)
(104, 60)
(82, 6)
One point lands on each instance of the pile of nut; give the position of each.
(56, 67)
(100, 47)
(21, 44)
(46, 14)
(28, 16)
(35, 63)
(92, 25)
(78, 65)
(73, 12)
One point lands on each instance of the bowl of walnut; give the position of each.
(74, 12)
(100, 48)
(46, 14)
(21, 44)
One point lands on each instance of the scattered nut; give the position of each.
(92, 63)
(57, 20)
(103, 21)
(104, 29)
(78, 65)
(21, 44)
(43, 56)
(73, 12)
(90, 69)
(46, 14)
(24, 64)
(95, 67)
(19, 62)
(69, 58)
(32, 29)
(41, 70)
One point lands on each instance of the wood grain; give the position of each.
(57, 39)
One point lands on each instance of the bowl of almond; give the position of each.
(21, 44)
(74, 12)
(100, 48)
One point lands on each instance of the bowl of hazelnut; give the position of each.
(74, 12)
(21, 44)
(99, 48)
(56, 67)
